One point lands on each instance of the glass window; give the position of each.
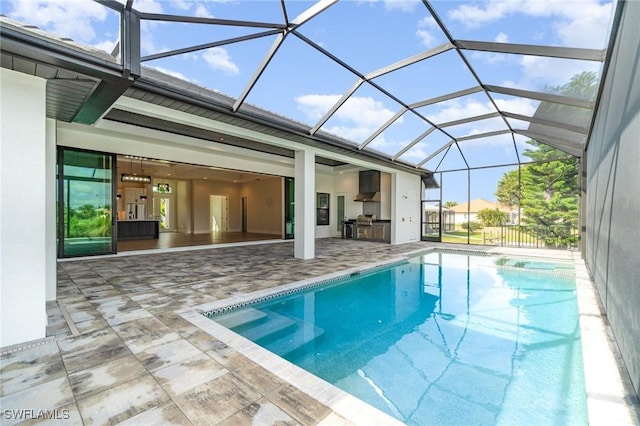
(85, 188)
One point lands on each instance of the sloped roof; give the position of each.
(478, 204)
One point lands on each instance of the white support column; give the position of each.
(50, 208)
(23, 211)
(305, 183)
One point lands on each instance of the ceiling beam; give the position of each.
(544, 122)
(597, 55)
(383, 127)
(212, 21)
(410, 61)
(447, 97)
(540, 96)
(469, 119)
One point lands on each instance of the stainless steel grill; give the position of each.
(365, 219)
(363, 226)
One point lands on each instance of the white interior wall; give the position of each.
(183, 204)
(265, 206)
(24, 232)
(202, 190)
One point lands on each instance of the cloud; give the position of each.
(539, 72)
(457, 109)
(401, 5)
(106, 45)
(416, 154)
(473, 16)
(428, 31)
(522, 106)
(315, 106)
(502, 38)
(175, 74)
(218, 59)
(202, 11)
(583, 24)
(68, 18)
(148, 6)
(356, 119)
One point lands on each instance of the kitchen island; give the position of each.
(378, 230)
(138, 229)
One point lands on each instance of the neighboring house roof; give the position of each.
(429, 208)
(478, 204)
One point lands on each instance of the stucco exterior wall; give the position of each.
(613, 193)
(24, 233)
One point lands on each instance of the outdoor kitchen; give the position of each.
(368, 225)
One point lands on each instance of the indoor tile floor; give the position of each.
(126, 356)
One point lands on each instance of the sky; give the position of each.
(366, 36)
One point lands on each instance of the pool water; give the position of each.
(441, 339)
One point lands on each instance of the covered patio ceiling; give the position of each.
(426, 85)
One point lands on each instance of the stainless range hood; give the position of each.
(368, 186)
(367, 196)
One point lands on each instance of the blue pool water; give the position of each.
(441, 339)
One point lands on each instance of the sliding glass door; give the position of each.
(86, 224)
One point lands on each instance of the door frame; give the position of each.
(61, 192)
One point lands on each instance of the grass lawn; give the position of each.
(492, 236)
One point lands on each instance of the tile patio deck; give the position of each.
(127, 356)
(135, 360)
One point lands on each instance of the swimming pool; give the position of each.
(441, 339)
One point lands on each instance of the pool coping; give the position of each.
(607, 399)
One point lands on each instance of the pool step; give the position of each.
(302, 334)
(240, 318)
(270, 325)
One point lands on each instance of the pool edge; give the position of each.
(607, 401)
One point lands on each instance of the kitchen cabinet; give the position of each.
(381, 231)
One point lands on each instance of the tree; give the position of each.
(472, 226)
(508, 192)
(449, 204)
(493, 217)
(549, 188)
(547, 195)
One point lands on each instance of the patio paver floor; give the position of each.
(136, 361)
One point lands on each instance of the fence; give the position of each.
(554, 236)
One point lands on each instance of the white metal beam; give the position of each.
(383, 128)
(469, 119)
(536, 120)
(446, 97)
(534, 50)
(540, 96)
(335, 107)
(438, 151)
(415, 141)
(410, 61)
(256, 75)
(314, 10)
